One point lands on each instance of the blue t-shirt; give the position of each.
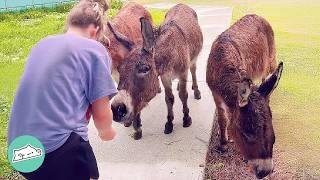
(63, 75)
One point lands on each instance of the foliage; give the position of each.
(116, 4)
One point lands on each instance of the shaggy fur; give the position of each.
(243, 53)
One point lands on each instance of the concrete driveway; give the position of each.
(180, 155)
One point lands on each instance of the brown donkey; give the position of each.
(243, 53)
(170, 55)
(124, 31)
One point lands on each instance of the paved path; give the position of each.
(160, 156)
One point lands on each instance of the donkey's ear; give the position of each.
(267, 87)
(147, 34)
(124, 40)
(244, 90)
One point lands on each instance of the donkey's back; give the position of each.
(186, 18)
(247, 46)
(127, 21)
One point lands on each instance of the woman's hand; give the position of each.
(102, 117)
(108, 134)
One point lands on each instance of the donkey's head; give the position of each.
(138, 78)
(254, 133)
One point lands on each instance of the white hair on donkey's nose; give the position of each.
(262, 165)
(123, 97)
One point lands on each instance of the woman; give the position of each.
(64, 76)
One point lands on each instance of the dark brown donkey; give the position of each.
(124, 31)
(243, 53)
(170, 55)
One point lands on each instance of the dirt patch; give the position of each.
(230, 165)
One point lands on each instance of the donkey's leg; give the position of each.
(193, 69)
(230, 120)
(137, 127)
(183, 94)
(167, 83)
(222, 115)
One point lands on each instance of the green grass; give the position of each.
(158, 15)
(296, 102)
(19, 31)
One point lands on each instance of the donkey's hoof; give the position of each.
(197, 94)
(187, 121)
(168, 128)
(127, 124)
(137, 135)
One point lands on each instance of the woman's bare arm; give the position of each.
(102, 117)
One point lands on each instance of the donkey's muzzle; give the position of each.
(262, 167)
(263, 173)
(119, 112)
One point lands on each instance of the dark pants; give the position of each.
(73, 160)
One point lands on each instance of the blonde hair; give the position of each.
(88, 12)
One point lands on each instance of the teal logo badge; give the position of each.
(26, 154)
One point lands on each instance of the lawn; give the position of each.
(296, 103)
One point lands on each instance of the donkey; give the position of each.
(124, 32)
(170, 55)
(243, 53)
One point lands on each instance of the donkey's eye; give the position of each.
(143, 69)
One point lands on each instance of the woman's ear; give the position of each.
(93, 32)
